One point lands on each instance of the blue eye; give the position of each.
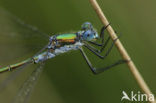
(86, 26)
(87, 33)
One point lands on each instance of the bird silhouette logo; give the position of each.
(125, 96)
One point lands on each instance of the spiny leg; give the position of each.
(99, 70)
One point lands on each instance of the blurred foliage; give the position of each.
(67, 78)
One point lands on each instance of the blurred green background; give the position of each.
(67, 78)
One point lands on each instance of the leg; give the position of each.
(102, 31)
(94, 50)
(102, 46)
(99, 70)
(96, 53)
(101, 36)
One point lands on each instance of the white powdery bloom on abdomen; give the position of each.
(67, 48)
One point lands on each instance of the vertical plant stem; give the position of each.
(122, 50)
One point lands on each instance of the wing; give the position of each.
(26, 89)
(18, 39)
(11, 77)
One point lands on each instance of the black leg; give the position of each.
(99, 70)
(94, 43)
(104, 46)
(101, 36)
(88, 61)
(96, 53)
(102, 32)
(94, 50)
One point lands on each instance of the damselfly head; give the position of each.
(86, 26)
(89, 33)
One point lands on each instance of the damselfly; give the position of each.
(62, 43)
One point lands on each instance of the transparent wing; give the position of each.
(18, 39)
(11, 77)
(25, 91)
(16, 73)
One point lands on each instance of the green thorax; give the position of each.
(66, 36)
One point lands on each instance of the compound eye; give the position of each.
(87, 35)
